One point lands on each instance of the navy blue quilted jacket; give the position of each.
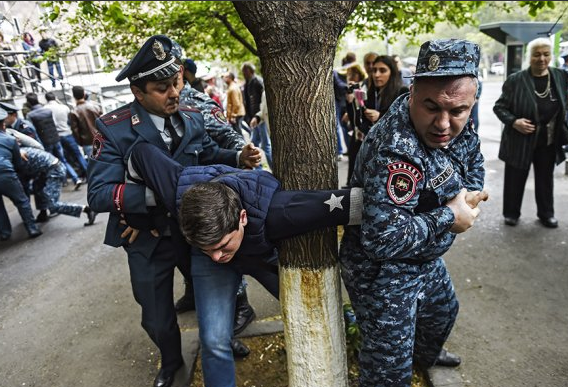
(255, 190)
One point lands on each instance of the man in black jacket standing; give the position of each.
(252, 93)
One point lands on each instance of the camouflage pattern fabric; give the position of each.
(392, 267)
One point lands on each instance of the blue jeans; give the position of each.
(71, 146)
(57, 151)
(50, 65)
(260, 137)
(215, 287)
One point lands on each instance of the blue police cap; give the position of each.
(447, 57)
(177, 51)
(9, 108)
(154, 61)
(190, 66)
(3, 114)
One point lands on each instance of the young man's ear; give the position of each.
(243, 220)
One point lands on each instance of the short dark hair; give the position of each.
(78, 92)
(31, 99)
(208, 212)
(49, 96)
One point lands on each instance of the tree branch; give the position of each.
(234, 34)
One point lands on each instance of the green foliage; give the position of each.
(387, 18)
(122, 26)
(213, 31)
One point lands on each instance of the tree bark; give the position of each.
(296, 42)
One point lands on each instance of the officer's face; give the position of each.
(226, 249)
(440, 108)
(10, 119)
(161, 97)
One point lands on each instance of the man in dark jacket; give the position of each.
(249, 214)
(42, 119)
(252, 92)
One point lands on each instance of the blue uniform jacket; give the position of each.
(255, 188)
(10, 159)
(109, 190)
(405, 188)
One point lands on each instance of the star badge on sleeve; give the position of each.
(334, 202)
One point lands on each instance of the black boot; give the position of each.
(91, 215)
(187, 302)
(240, 350)
(244, 313)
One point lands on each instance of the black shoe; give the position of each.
(165, 378)
(91, 215)
(240, 350)
(244, 314)
(78, 184)
(34, 234)
(511, 221)
(549, 222)
(4, 238)
(447, 359)
(42, 217)
(185, 304)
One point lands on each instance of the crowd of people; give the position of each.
(16, 68)
(39, 153)
(185, 190)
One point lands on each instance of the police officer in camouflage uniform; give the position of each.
(48, 174)
(422, 176)
(10, 185)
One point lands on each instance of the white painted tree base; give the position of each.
(313, 327)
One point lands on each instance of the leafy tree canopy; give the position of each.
(212, 30)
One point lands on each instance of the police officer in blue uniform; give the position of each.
(155, 116)
(422, 176)
(10, 185)
(15, 122)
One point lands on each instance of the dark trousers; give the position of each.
(152, 285)
(515, 180)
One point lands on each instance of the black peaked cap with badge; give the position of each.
(447, 58)
(154, 61)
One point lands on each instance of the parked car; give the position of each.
(497, 68)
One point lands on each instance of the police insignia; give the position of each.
(401, 184)
(218, 114)
(98, 142)
(433, 62)
(158, 50)
(135, 120)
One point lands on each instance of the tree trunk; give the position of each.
(296, 42)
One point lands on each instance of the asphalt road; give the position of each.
(68, 318)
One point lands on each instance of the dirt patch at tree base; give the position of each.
(266, 366)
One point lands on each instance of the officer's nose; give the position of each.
(442, 121)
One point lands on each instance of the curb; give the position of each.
(190, 346)
(436, 376)
(444, 377)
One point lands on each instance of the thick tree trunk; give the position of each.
(296, 42)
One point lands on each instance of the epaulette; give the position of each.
(116, 116)
(187, 108)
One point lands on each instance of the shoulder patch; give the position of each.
(98, 142)
(116, 116)
(401, 184)
(217, 112)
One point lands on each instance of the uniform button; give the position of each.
(169, 214)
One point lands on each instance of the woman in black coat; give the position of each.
(533, 108)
